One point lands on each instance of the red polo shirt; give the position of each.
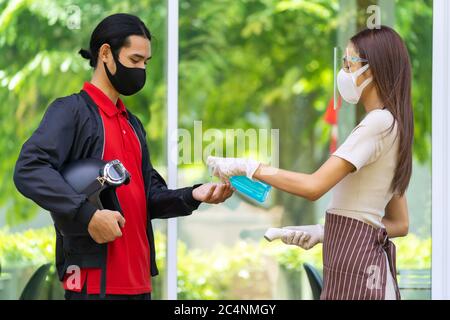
(128, 259)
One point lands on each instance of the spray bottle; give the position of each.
(256, 190)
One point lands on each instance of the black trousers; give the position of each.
(83, 295)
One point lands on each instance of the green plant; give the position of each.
(237, 272)
(220, 41)
(219, 274)
(292, 258)
(34, 246)
(413, 252)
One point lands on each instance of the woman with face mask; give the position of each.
(369, 174)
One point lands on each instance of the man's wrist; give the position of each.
(85, 213)
(189, 196)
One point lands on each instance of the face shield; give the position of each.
(337, 66)
(345, 77)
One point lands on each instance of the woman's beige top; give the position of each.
(372, 148)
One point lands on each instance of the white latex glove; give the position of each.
(224, 168)
(305, 237)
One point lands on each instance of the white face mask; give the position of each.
(346, 82)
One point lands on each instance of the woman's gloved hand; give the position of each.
(224, 168)
(305, 237)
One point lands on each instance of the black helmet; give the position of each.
(96, 179)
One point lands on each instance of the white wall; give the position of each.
(441, 151)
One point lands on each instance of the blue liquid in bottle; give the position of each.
(256, 190)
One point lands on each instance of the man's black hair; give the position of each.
(114, 30)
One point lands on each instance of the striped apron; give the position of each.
(354, 260)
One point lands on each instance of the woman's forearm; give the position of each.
(299, 184)
(394, 228)
(309, 186)
(396, 218)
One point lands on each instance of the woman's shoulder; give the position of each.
(379, 120)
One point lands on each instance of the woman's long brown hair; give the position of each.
(391, 69)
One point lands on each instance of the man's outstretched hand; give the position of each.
(213, 192)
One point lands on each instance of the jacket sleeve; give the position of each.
(36, 173)
(164, 203)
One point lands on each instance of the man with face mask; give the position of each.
(115, 257)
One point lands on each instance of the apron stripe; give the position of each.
(343, 256)
(370, 262)
(335, 252)
(339, 244)
(365, 260)
(354, 259)
(350, 256)
(352, 288)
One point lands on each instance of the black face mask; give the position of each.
(127, 81)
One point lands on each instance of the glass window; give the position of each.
(38, 65)
(269, 65)
(256, 80)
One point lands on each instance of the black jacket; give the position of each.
(72, 129)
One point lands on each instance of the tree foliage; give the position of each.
(243, 64)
